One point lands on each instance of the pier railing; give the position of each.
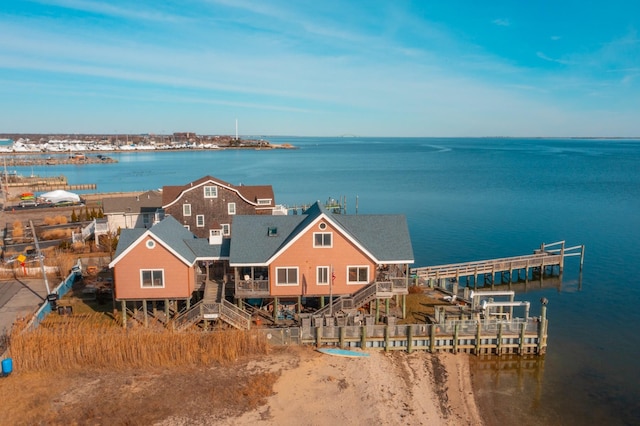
(540, 259)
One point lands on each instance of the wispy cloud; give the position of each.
(501, 22)
(137, 12)
(544, 57)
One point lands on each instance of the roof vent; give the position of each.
(272, 231)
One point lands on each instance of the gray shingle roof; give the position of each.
(178, 238)
(386, 237)
(148, 201)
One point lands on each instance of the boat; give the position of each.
(342, 352)
(27, 196)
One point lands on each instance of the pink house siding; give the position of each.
(179, 278)
(303, 255)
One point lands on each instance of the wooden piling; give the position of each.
(386, 338)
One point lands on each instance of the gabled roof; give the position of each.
(384, 238)
(170, 194)
(175, 238)
(148, 201)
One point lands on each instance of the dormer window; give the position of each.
(264, 201)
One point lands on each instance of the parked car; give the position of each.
(63, 204)
(28, 203)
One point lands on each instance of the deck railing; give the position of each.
(252, 288)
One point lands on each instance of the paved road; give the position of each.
(19, 298)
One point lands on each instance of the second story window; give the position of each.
(322, 239)
(210, 192)
(231, 208)
(200, 220)
(186, 209)
(226, 229)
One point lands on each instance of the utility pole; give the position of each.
(40, 256)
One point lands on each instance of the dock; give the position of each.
(549, 258)
(44, 184)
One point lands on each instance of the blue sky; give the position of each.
(321, 68)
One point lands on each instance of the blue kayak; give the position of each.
(342, 352)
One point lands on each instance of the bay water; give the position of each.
(473, 199)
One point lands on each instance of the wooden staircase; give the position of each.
(375, 290)
(214, 306)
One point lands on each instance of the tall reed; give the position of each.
(80, 343)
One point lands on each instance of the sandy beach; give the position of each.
(383, 389)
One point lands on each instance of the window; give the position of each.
(272, 231)
(358, 275)
(152, 278)
(187, 227)
(226, 229)
(322, 239)
(151, 244)
(210, 192)
(264, 201)
(145, 220)
(322, 226)
(215, 232)
(200, 220)
(286, 276)
(322, 275)
(231, 208)
(186, 209)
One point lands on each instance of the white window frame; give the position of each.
(200, 221)
(186, 209)
(210, 191)
(226, 229)
(358, 268)
(264, 201)
(231, 208)
(287, 270)
(187, 227)
(215, 232)
(322, 242)
(323, 275)
(152, 277)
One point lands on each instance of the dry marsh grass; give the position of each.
(87, 342)
(56, 234)
(18, 230)
(56, 220)
(79, 371)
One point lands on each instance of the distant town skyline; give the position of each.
(332, 68)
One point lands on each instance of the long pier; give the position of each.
(548, 256)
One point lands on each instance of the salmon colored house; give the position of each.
(320, 254)
(164, 266)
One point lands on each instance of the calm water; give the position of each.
(471, 199)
